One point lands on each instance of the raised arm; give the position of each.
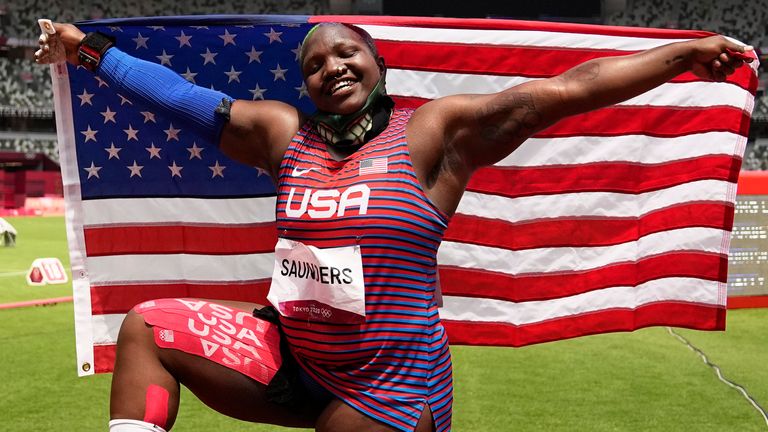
(253, 132)
(484, 129)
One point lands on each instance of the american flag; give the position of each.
(608, 221)
(373, 166)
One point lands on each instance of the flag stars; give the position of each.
(171, 133)
(254, 56)
(90, 134)
(109, 115)
(189, 75)
(258, 92)
(85, 98)
(302, 90)
(132, 133)
(297, 51)
(101, 82)
(135, 169)
(113, 151)
(154, 152)
(124, 100)
(183, 39)
(209, 57)
(148, 116)
(228, 38)
(175, 170)
(273, 36)
(279, 73)
(194, 151)
(156, 28)
(233, 74)
(218, 170)
(93, 170)
(141, 41)
(165, 59)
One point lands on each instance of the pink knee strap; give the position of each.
(156, 405)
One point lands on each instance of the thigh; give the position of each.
(221, 352)
(232, 393)
(340, 417)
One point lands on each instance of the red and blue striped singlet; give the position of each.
(398, 360)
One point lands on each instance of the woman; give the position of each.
(363, 326)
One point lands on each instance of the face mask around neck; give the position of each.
(350, 130)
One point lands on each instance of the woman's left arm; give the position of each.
(483, 129)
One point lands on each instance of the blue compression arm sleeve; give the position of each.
(156, 86)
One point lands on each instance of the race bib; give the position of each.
(313, 284)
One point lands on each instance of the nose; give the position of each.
(335, 69)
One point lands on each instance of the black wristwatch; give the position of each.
(92, 49)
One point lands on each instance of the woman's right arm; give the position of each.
(252, 132)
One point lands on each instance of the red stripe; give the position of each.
(664, 122)
(581, 232)
(548, 61)
(466, 282)
(622, 177)
(744, 302)
(651, 120)
(688, 315)
(104, 358)
(503, 24)
(210, 240)
(110, 299)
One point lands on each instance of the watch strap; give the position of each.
(92, 49)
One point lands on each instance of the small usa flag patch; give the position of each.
(373, 166)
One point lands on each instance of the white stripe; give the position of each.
(562, 259)
(597, 204)
(179, 267)
(122, 211)
(106, 327)
(686, 290)
(533, 38)
(642, 149)
(433, 85)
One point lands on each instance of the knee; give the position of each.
(133, 328)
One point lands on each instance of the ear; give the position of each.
(382, 65)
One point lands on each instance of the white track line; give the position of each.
(720, 376)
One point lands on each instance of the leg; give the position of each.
(138, 366)
(141, 364)
(340, 417)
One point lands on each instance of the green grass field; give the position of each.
(641, 381)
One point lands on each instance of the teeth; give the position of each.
(340, 85)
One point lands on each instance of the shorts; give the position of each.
(230, 337)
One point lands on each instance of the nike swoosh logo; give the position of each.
(298, 173)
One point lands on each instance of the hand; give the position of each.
(716, 57)
(60, 46)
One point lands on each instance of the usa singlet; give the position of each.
(396, 359)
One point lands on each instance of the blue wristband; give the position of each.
(154, 85)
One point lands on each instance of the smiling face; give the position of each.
(340, 69)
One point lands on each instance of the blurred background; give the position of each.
(645, 380)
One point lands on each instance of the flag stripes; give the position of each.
(610, 220)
